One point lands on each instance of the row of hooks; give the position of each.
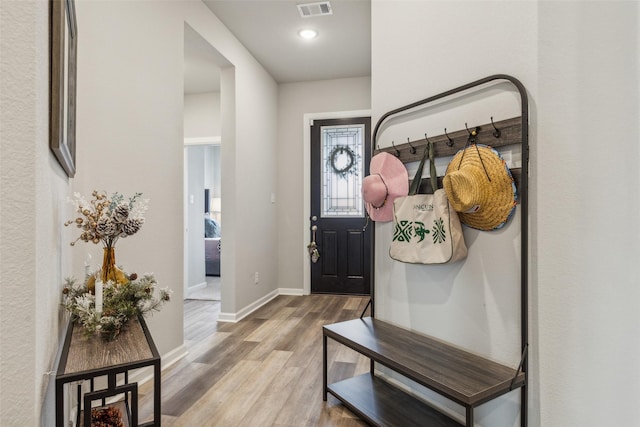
(470, 140)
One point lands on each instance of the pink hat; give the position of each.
(388, 180)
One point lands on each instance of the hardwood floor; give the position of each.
(265, 370)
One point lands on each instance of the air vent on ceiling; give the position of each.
(308, 10)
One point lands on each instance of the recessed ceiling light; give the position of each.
(308, 34)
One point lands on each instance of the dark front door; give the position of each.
(340, 154)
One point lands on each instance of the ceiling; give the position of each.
(268, 29)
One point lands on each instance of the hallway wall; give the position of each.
(129, 139)
(202, 115)
(137, 112)
(295, 100)
(579, 62)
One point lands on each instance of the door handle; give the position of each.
(313, 246)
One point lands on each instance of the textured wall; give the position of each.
(34, 256)
(17, 220)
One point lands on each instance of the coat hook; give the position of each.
(472, 134)
(412, 150)
(394, 147)
(496, 131)
(430, 145)
(449, 140)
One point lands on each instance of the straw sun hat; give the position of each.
(480, 187)
(388, 180)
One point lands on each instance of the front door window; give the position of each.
(342, 171)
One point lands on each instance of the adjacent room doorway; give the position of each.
(340, 155)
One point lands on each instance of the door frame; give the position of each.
(306, 161)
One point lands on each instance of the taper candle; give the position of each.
(98, 295)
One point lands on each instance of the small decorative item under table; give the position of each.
(91, 359)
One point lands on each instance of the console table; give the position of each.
(89, 358)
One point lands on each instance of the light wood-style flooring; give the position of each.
(265, 370)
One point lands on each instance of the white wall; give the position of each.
(296, 100)
(34, 250)
(587, 271)
(579, 62)
(248, 130)
(194, 200)
(212, 175)
(202, 115)
(473, 303)
(228, 157)
(142, 125)
(130, 137)
(202, 126)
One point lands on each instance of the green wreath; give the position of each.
(336, 154)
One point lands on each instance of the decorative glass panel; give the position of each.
(342, 171)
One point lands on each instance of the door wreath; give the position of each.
(343, 160)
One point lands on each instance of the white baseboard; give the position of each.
(143, 375)
(291, 291)
(227, 317)
(174, 356)
(236, 317)
(192, 289)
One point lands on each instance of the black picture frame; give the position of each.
(64, 42)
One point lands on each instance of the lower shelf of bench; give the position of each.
(381, 404)
(466, 378)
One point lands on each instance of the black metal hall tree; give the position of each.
(460, 376)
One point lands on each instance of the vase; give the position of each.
(109, 272)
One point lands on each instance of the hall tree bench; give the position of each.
(457, 374)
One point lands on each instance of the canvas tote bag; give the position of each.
(426, 230)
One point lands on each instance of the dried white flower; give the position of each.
(105, 219)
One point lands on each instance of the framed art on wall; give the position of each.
(64, 42)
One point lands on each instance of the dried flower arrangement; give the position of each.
(107, 219)
(120, 304)
(109, 297)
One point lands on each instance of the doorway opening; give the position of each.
(203, 221)
(209, 138)
(202, 168)
(208, 74)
